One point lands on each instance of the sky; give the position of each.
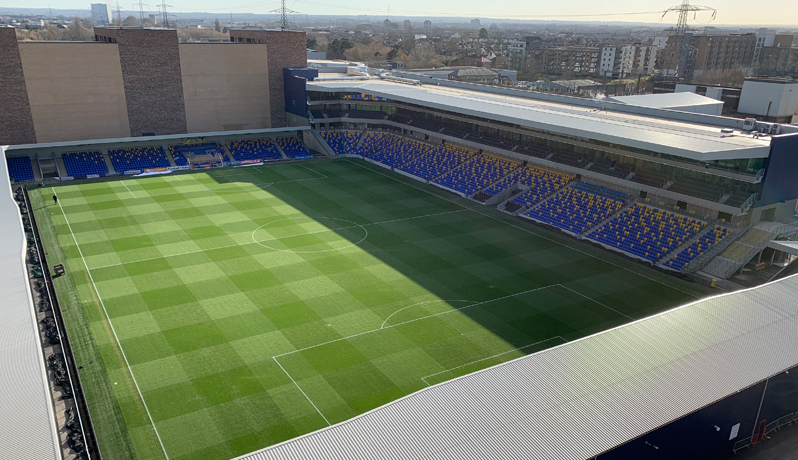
(741, 12)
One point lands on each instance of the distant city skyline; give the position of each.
(730, 12)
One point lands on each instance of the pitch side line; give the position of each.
(275, 239)
(301, 390)
(424, 379)
(123, 183)
(520, 228)
(323, 176)
(108, 318)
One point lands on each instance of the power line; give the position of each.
(141, 11)
(118, 15)
(284, 12)
(680, 49)
(164, 13)
(459, 13)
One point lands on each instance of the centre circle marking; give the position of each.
(351, 225)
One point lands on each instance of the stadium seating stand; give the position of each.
(89, 162)
(19, 169)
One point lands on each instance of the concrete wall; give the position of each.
(75, 90)
(16, 123)
(225, 86)
(772, 99)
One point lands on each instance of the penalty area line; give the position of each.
(424, 379)
(302, 391)
(418, 319)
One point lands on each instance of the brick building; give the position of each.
(778, 62)
(700, 54)
(142, 81)
(558, 61)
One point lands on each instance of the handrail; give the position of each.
(748, 204)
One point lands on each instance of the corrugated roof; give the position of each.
(580, 399)
(703, 142)
(474, 72)
(27, 425)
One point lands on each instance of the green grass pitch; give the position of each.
(219, 312)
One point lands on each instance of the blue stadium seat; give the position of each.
(342, 142)
(19, 169)
(294, 147)
(80, 164)
(686, 255)
(138, 158)
(648, 232)
(395, 151)
(576, 209)
(478, 173)
(376, 141)
(438, 161)
(254, 149)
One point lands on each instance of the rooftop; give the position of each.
(27, 422)
(617, 124)
(666, 100)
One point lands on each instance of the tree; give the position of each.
(131, 21)
(450, 46)
(407, 45)
(423, 56)
(337, 48)
(392, 54)
(217, 26)
(76, 32)
(312, 43)
(483, 33)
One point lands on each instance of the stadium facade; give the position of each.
(720, 367)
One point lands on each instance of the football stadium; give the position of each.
(243, 254)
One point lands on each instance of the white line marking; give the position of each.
(123, 183)
(303, 234)
(596, 301)
(323, 176)
(424, 379)
(519, 228)
(108, 318)
(418, 319)
(421, 303)
(273, 239)
(301, 390)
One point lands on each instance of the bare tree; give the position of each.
(423, 56)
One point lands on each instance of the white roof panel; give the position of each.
(580, 399)
(667, 100)
(689, 140)
(27, 424)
